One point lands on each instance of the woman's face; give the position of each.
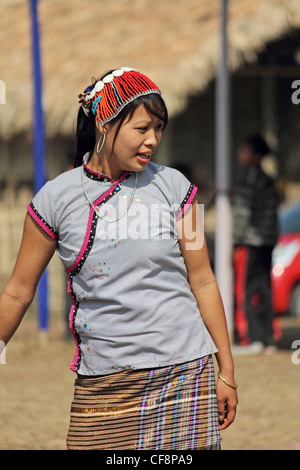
(135, 143)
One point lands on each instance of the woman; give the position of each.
(124, 228)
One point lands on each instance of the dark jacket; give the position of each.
(255, 204)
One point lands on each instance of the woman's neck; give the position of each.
(103, 165)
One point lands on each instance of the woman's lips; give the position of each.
(142, 157)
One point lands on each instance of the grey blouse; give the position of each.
(132, 306)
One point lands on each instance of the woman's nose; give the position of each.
(152, 138)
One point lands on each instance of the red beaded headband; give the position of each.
(109, 95)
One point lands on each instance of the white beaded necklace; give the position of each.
(96, 210)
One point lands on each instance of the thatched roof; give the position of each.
(174, 41)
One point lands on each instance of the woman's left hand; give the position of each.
(227, 404)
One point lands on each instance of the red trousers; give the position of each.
(254, 317)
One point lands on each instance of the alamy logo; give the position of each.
(296, 354)
(2, 92)
(154, 222)
(2, 352)
(296, 93)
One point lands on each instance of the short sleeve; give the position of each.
(184, 193)
(42, 210)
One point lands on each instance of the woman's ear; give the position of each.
(103, 129)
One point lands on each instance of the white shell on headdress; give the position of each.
(109, 78)
(98, 87)
(126, 69)
(117, 73)
(92, 94)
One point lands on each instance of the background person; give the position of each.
(255, 232)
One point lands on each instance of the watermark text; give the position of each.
(2, 92)
(153, 222)
(2, 353)
(296, 93)
(296, 354)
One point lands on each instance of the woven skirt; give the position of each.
(172, 407)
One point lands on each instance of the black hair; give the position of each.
(258, 144)
(86, 132)
(85, 135)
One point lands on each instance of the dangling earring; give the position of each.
(101, 143)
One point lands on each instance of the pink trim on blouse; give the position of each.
(71, 319)
(41, 223)
(188, 202)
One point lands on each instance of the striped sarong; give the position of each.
(172, 407)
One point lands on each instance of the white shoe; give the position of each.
(251, 349)
(269, 350)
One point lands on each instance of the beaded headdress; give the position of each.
(109, 95)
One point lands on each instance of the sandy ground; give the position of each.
(36, 388)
